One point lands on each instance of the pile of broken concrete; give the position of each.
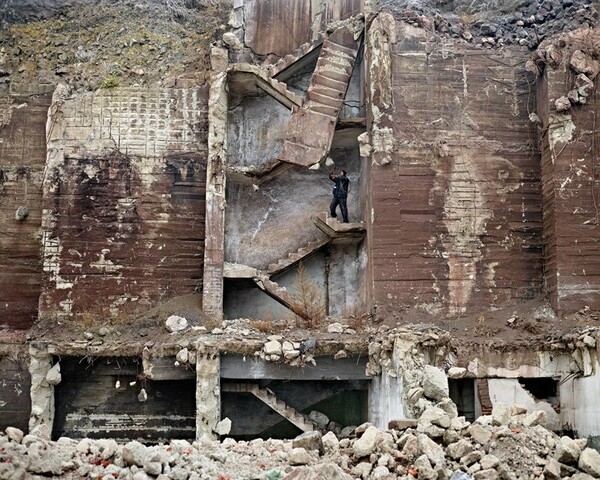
(508, 444)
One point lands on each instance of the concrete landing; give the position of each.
(340, 233)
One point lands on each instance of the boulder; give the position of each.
(500, 414)
(134, 453)
(479, 433)
(537, 417)
(223, 427)
(433, 451)
(273, 347)
(365, 445)
(175, 323)
(15, 434)
(319, 418)
(309, 441)
(589, 462)
(552, 470)
(299, 456)
(435, 383)
(582, 62)
(567, 451)
(335, 328)
(330, 441)
(459, 449)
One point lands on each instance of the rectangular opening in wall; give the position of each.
(544, 389)
(462, 393)
(284, 409)
(109, 398)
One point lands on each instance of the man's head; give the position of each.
(343, 173)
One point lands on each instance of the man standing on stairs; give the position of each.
(340, 194)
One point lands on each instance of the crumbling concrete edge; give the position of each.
(212, 288)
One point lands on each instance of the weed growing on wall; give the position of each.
(309, 300)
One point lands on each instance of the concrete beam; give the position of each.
(326, 368)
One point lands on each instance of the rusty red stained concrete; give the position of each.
(22, 160)
(277, 28)
(124, 246)
(456, 216)
(571, 189)
(125, 232)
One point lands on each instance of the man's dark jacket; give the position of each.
(342, 185)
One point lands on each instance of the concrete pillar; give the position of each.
(212, 292)
(43, 378)
(208, 393)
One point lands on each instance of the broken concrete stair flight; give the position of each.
(311, 128)
(297, 256)
(269, 398)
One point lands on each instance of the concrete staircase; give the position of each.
(297, 256)
(264, 282)
(245, 78)
(311, 128)
(279, 294)
(269, 398)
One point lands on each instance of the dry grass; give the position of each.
(309, 300)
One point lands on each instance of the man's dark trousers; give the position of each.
(341, 201)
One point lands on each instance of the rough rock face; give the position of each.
(22, 158)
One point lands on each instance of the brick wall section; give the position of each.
(571, 186)
(22, 159)
(124, 200)
(455, 214)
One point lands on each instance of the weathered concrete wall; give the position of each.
(570, 176)
(15, 383)
(124, 194)
(22, 159)
(256, 129)
(259, 222)
(277, 28)
(104, 399)
(509, 391)
(454, 207)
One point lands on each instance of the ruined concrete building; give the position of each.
(167, 260)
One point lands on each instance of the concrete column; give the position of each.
(208, 393)
(43, 378)
(212, 293)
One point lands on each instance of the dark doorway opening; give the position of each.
(462, 393)
(103, 399)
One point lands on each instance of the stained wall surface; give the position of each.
(571, 196)
(123, 222)
(22, 160)
(455, 222)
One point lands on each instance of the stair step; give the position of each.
(294, 152)
(331, 49)
(335, 93)
(343, 66)
(331, 112)
(320, 80)
(334, 73)
(323, 100)
(330, 44)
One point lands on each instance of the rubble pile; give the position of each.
(508, 444)
(505, 22)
